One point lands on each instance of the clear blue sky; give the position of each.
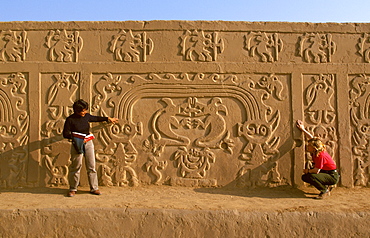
(227, 10)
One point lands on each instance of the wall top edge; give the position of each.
(189, 25)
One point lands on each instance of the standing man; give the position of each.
(77, 129)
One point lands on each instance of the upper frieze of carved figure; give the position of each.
(200, 46)
(364, 47)
(266, 46)
(13, 46)
(316, 47)
(63, 46)
(129, 47)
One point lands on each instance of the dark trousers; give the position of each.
(321, 180)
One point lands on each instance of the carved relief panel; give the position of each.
(198, 45)
(63, 46)
(266, 46)
(14, 126)
(128, 46)
(360, 118)
(59, 91)
(14, 46)
(182, 129)
(204, 117)
(316, 47)
(363, 47)
(321, 110)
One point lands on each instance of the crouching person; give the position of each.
(324, 174)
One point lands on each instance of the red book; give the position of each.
(83, 136)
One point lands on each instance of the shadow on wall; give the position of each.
(18, 168)
(253, 176)
(17, 164)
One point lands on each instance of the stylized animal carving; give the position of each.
(164, 120)
(214, 122)
(15, 47)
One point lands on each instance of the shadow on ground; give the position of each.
(277, 192)
(39, 190)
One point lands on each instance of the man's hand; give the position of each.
(113, 120)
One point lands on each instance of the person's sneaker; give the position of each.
(330, 187)
(95, 192)
(71, 194)
(323, 195)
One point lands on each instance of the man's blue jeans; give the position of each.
(76, 165)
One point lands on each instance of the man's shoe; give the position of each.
(71, 194)
(95, 192)
(323, 195)
(330, 187)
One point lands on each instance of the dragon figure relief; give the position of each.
(188, 130)
(194, 128)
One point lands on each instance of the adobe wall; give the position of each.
(180, 223)
(199, 103)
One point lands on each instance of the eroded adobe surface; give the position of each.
(199, 103)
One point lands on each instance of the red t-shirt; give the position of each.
(324, 161)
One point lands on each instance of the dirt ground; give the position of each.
(167, 197)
